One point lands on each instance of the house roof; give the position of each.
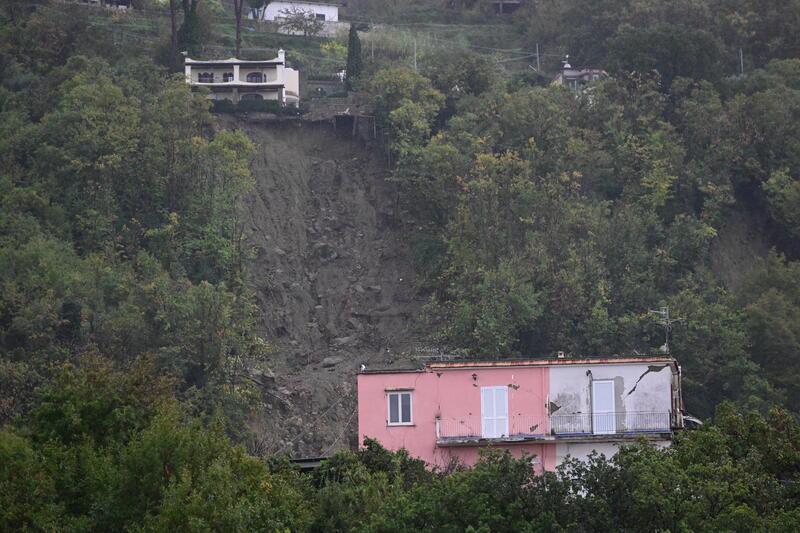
(532, 362)
(232, 61)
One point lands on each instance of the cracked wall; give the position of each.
(637, 387)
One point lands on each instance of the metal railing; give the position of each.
(522, 427)
(610, 423)
(518, 427)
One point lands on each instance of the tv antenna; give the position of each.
(663, 318)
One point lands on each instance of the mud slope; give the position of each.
(333, 280)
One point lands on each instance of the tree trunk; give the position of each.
(173, 40)
(238, 5)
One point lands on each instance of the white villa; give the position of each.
(277, 9)
(238, 79)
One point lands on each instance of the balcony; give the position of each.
(629, 423)
(472, 430)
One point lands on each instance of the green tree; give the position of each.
(354, 64)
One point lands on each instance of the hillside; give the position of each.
(332, 277)
(188, 288)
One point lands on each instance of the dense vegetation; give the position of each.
(555, 220)
(107, 450)
(546, 220)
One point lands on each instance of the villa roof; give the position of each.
(233, 61)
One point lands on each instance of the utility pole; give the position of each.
(415, 54)
(538, 66)
(741, 62)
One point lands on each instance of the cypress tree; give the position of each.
(354, 65)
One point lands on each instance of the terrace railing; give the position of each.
(469, 428)
(630, 422)
(530, 427)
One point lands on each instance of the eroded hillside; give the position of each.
(332, 276)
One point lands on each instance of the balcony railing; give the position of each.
(518, 427)
(610, 423)
(527, 427)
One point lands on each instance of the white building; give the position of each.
(578, 78)
(277, 10)
(238, 79)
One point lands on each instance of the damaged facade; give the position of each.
(549, 408)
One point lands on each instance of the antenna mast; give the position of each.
(663, 318)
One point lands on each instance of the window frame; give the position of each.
(399, 394)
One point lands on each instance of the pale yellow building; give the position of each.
(239, 79)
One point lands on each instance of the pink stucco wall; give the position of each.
(453, 394)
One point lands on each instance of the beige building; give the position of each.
(238, 79)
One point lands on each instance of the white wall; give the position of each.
(582, 450)
(274, 10)
(570, 387)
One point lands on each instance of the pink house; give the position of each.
(550, 408)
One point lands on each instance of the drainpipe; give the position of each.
(438, 428)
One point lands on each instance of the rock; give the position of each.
(279, 252)
(341, 341)
(331, 361)
(376, 288)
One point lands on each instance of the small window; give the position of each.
(255, 77)
(320, 16)
(228, 76)
(205, 77)
(399, 408)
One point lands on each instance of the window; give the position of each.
(227, 76)
(399, 408)
(255, 77)
(251, 96)
(494, 412)
(205, 77)
(320, 16)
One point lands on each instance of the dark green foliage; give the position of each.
(165, 471)
(120, 234)
(562, 219)
(354, 64)
(194, 30)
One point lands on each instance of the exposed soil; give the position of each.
(333, 279)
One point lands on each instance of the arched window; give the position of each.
(255, 77)
(227, 76)
(205, 77)
(252, 96)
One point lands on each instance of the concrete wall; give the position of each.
(637, 387)
(582, 450)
